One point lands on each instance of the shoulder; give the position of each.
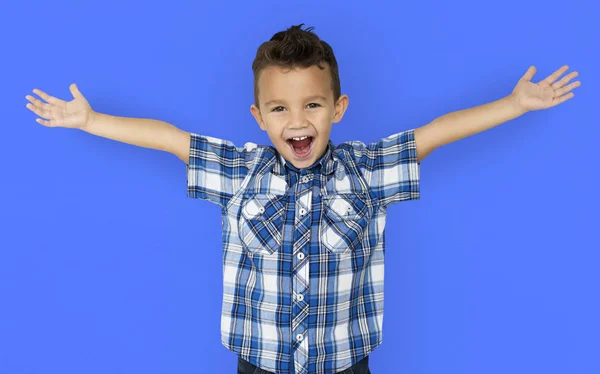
(226, 149)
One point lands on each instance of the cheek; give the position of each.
(324, 127)
(321, 120)
(275, 133)
(278, 121)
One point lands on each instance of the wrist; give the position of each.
(515, 103)
(91, 118)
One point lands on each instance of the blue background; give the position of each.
(107, 267)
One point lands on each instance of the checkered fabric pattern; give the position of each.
(303, 261)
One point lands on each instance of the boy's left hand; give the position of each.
(545, 94)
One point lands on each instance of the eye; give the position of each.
(276, 109)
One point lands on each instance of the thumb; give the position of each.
(75, 91)
(529, 74)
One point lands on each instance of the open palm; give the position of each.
(546, 93)
(59, 113)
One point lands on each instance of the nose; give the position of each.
(298, 119)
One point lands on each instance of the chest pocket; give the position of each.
(261, 223)
(345, 221)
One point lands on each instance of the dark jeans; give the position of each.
(361, 367)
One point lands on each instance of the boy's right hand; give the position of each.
(76, 113)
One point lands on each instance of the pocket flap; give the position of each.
(344, 206)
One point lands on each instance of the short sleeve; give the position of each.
(216, 168)
(390, 167)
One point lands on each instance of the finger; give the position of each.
(46, 97)
(44, 122)
(554, 76)
(565, 80)
(529, 74)
(562, 99)
(38, 103)
(566, 89)
(74, 90)
(39, 111)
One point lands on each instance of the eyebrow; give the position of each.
(315, 97)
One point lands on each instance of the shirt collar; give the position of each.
(327, 163)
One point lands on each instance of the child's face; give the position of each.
(298, 103)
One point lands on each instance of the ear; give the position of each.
(340, 108)
(257, 116)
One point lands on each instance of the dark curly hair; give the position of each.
(292, 48)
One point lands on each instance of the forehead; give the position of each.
(277, 83)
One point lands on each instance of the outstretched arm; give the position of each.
(526, 96)
(78, 114)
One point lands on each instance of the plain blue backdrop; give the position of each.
(107, 267)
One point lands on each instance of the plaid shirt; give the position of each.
(303, 248)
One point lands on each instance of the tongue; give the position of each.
(301, 143)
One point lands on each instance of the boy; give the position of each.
(303, 219)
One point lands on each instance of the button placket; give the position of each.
(301, 246)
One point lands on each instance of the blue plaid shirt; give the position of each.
(303, 248)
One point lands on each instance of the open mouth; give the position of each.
(301, 146)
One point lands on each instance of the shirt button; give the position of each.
(300, 256)
(299, 337)
(300, 297)
(302, 212)
(304, 179)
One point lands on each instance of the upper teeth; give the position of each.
(300, 138)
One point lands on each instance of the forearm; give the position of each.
(142, 132)
(463, 123)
